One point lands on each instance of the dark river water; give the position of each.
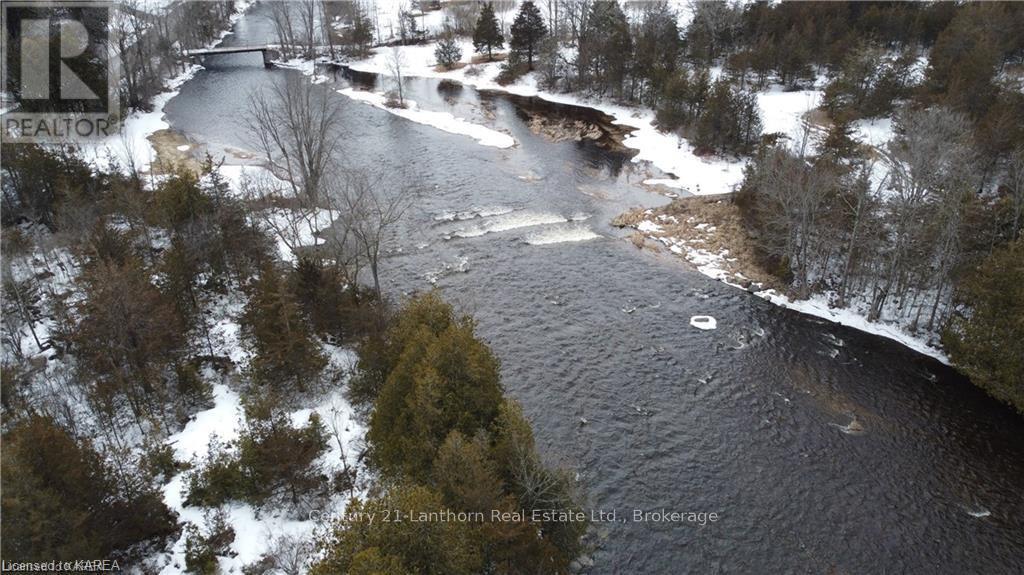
(746, 421)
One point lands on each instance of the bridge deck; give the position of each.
(226, 50)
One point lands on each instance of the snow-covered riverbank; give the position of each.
(441, 120)
(711, 239)
(132, 147)
(781, 111)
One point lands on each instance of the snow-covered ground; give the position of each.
(256, 529)
(782, 112)
(856, 317)
(874, 132)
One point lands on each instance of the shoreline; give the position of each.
(142, 135)
(669, 153)
(707, 233)
(673, 155)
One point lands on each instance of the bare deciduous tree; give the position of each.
(929, 167)
(284, 25)
(297, 128)
(370, 215)
(1015, 183)
(395, 64)
(288, 555)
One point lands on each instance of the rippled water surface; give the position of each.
(752, 420)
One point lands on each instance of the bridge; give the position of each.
(269, 52)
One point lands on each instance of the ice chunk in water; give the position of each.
(703, 322)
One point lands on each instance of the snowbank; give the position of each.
(817, 306)
(716, 264)
(440, 120)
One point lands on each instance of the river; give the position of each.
(750, 421)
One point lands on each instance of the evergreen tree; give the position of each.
(487, 36)
(527, 31)
(605, 48)
(963, 63)
(271, 457)
(408, 30)
(699, 92)
(361, 34)
(180, 200)
(399, 547)
(658, 46)
(673, 112)
(986, 341)
(447, 52)
(61, 502)
(445, 379)
(838, 145)
(794, 61)
(287, 356)
(34, 181)
(730, 121)
(128, 335)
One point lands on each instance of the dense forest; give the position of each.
(135, 300)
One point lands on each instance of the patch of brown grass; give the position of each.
(455, 66)
(723, 230)
(483, 59)
(169, 157)
(818, 117)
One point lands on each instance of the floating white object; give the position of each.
(703, 322)
(184, 148)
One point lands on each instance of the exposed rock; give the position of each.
(562, 129)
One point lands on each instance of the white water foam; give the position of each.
(473, 213)
(509, 221)
(562, 235)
